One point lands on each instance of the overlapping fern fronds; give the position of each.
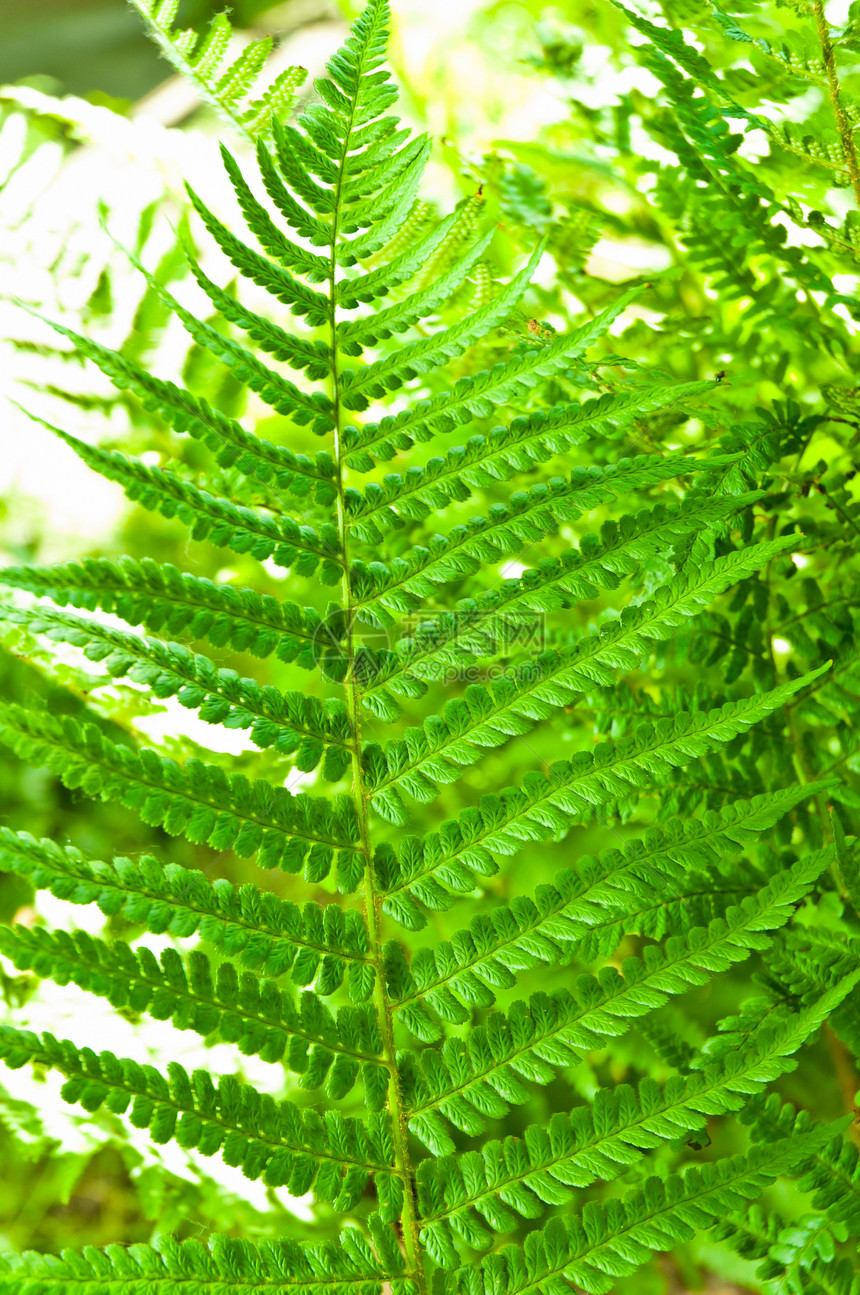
(419, 1051)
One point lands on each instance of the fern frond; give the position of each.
(828, 1275)
(466, 1082)
(298, 162)
(197, 800)
(522, 1175)
(162, 598)
(693, 619)
(313, 944)
(454, 976)
(293, 723)
(345, 1267)
(227, 87)
(219, 1003)
(273, 1140)
(547, 804)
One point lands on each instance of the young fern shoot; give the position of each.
(418, 1053)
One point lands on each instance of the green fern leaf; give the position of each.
(469, 1082)
(345, 1268)
(160, 597)
(315, 945)
(275, 1141)
(224, 523)
(197, 801)
(292, 723)
(220, 1004)
(225, 86)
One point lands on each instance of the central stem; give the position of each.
(402, 1162)
(843, 125)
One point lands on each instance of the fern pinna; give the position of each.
(413, 1054)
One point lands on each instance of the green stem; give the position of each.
(373, 902)
(846, 135)
(372, 899)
